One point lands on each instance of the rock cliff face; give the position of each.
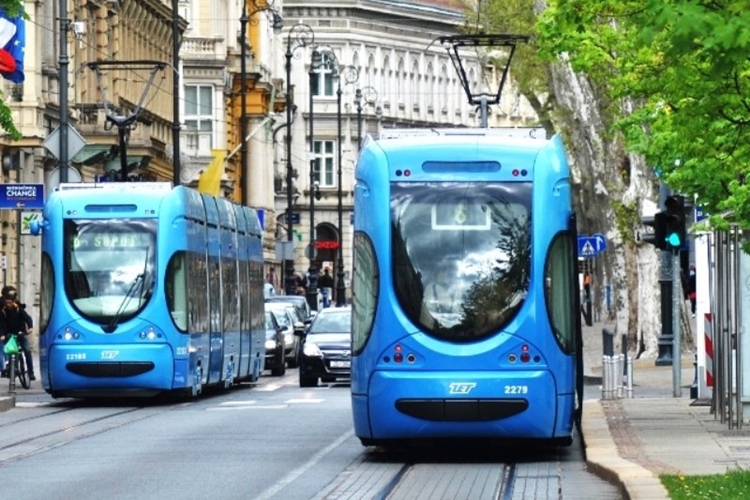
(613, 189)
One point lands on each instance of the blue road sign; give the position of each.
(26, 196)
(591, 246)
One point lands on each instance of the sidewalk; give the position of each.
(630, 442)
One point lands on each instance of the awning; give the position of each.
(91, 154)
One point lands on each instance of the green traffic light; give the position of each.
(673, 240)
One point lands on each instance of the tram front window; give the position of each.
(461, 255)
(109, 267)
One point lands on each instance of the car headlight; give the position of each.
(311, 349)
(270, 345)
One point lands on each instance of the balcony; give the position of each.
(205, 48)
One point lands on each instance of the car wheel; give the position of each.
(279, 364)
(308, 381)
(293, 360)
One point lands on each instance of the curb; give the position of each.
(7, 403)
(603, 459)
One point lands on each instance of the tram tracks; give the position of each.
(20, 439)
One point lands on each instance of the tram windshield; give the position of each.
(461, 255)
(109, 267)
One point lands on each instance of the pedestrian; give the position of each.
(326, 286)
(15, 318)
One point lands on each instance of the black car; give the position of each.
(275, 356)
(326, 347)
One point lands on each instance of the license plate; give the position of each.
(340, 364)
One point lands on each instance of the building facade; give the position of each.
(393, 74)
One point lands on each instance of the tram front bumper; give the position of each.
(510, 404)
(112, 367)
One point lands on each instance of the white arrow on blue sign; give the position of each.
(21, 196)
(591, 246)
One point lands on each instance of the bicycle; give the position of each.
(17, 366)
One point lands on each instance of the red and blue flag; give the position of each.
(12, 46)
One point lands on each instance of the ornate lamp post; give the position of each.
(370, 96)
(312, 272)
(349, 75)
(300, 35)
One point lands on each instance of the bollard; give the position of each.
(620, 367)
(694, 387)
(608, 342)
(606, 392)
(630, 377)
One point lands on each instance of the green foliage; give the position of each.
(684, 64)
(730, 486)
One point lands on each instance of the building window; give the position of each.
(324, 161)
(322, 83)
(199, 118)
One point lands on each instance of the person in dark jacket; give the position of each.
(14, 318)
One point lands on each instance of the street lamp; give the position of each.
(301, 35)
(350, 75)
(370, 96)
(312, 272)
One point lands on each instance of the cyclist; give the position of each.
(14, 318)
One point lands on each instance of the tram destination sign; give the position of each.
(17, 196)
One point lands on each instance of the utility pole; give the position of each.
(64, 119)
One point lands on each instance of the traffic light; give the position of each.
(675, 231)
(658, 222)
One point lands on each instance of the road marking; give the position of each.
(303, 401)
(296, 473)
(267, 388)
(250, 407)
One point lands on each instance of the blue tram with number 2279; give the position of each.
(465, 301)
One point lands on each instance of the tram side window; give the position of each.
(48, 292)
(365, 284)
(175, 290)
(559, 273)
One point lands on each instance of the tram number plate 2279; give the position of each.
(516, 389)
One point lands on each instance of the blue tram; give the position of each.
(466, 316)
(148, 289)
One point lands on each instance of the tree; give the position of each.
(685, 62)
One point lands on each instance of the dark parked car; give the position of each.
(275, 359)
(326, 347)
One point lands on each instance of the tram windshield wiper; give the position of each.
(139, 281)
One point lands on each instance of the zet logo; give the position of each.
(461, 387)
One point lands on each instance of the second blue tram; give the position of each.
(147, 289)
(465, 299)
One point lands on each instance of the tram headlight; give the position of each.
(312, 350)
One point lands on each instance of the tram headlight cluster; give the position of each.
(399, 357)
(524, 357)
(151, 334)
(68, 335)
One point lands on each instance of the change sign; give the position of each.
(21, 196)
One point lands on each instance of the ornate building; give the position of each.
(385, 57)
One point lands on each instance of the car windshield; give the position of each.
(334, 322)
(281, 317)
(269, 321)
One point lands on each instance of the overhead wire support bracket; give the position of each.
(121, 121)
(453, 45)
